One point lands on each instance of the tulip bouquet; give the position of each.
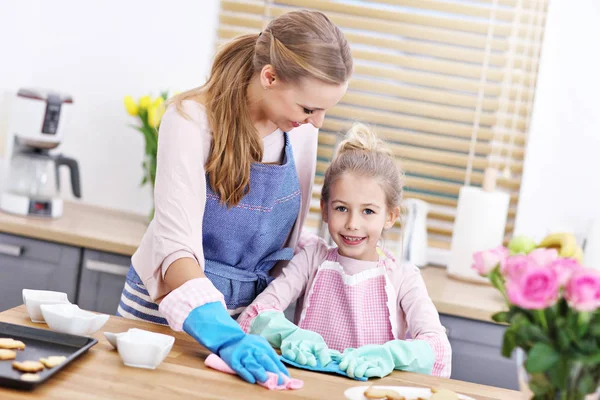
(553, 313)
(149, 111)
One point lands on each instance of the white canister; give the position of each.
(479, 225)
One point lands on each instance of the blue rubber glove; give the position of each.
(250, 356)
(380, 360)
(299, 345)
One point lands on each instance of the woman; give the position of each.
(236, 161)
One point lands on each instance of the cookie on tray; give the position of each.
(30, 377)
(7, 354)
(52, 361)
(28, 366)
(9, 343)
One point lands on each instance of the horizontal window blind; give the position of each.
(448, 84)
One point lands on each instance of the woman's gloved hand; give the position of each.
(299, 345)
(380, 360)
(250, 356)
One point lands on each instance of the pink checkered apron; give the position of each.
(349, 310)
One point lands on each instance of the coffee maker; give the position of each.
(32, 183)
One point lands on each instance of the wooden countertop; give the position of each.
(82, 225)
(100, 374)
(121, 232)
(460, 298)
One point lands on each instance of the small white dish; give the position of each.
(69, 318)
(33, 299)
(112, 338)
(356, 393)
(142, 349)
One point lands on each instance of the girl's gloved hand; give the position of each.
(367, 362)
(250, 356)
(380, 360)
(306, 351)
(299, 345)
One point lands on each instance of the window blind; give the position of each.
(448, 84)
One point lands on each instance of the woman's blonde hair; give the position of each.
(364, 154)
(299, 44)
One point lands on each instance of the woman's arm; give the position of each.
(181, 271)
(180, 195)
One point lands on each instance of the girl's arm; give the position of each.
(423, 319)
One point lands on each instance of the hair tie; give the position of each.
(260, 34)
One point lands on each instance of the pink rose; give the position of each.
(514, 266)
(533, 287)
(583, 290)
(564, 268)
(485, 261)
(543, 256)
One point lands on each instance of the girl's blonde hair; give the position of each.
(299, 44)
(364, 154)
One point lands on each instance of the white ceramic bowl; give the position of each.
(112, 338)
(69, 318)
(33, 299)
(143, 349)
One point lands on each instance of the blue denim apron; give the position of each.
(242, 243)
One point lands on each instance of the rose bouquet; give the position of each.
(552, 313)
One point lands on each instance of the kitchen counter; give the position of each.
(100, 374)
(120, 232)
(82, 225)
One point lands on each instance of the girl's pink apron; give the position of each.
(350, 310)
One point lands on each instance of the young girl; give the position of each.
(354, 297)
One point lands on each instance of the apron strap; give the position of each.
(260, 275)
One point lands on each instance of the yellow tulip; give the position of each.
(131, 106)
(158, 101)
(145, 102)
(153, 116)
(159, 104)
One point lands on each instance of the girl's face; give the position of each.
(356, 214)
(290, 105)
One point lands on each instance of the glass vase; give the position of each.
(524, 378)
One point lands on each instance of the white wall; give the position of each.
(98, 51)
(101, 50)
(561, 182)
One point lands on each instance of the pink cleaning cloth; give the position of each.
(215, 362)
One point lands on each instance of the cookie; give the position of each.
(52, 361)
(385, 394)
(28, 366)
(8, 343)
(443, 394)
(30, 377)
(7, 354)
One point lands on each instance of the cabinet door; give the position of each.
(102, 280)
(35, 264)
(476, 353)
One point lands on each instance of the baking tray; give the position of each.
(39, 343)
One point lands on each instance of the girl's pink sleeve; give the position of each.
(423, 319)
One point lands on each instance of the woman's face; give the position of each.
(290, 105)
